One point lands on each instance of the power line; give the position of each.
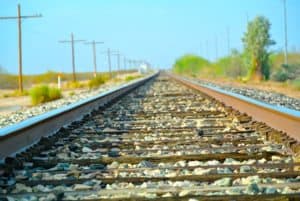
(72, 41)
(109, 53)
(20, 17)
(94, 43)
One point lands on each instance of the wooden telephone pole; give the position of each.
(109, 53)
(118, 60)
(124, 63)
(72, 41)
(109, 62)
(94, 43)
(19, 18)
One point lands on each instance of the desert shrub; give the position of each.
(287, 72)
(39, 94)
(132, 77)
(97, 81)
(280, 75)
(42, 94)
(74, 85)
(54, 93)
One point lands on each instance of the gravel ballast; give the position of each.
(269, 97)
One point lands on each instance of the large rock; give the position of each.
(146, 164)
(223, 182)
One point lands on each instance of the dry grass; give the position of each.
(132, 77)
(42, 94)
(15, 93)
(98, 81)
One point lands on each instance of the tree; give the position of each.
(256, 41)
(190, 64)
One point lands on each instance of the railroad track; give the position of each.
(161, 141)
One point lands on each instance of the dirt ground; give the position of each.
(11, 104)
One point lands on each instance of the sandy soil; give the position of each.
(11, 104)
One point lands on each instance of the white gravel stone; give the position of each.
(167, 195)
(86, 150)
(184, 193)
(21, 188)
(222, 182)
(81, 187)
(201, 171)
(194, 163)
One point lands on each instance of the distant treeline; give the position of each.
(234, 66)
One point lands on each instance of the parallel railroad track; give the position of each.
(162, 141)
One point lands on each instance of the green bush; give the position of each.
(42, 94)
(190, 64)
(280, 75)
(97, 81)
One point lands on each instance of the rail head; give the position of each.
(36, 127)
(278, 117)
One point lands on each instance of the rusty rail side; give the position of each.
(275, 119)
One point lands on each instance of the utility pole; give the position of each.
(124, 60)
(133, 64)
(118, 60)
(94, 43)
(109, 63)
(72, 41)
(129, 64)
(19, 18)
(285, 34)
(109, 53)
(119, 66)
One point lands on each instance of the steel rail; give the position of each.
(280, 118)
(18, 137)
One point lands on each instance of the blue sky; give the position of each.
(158, 31)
